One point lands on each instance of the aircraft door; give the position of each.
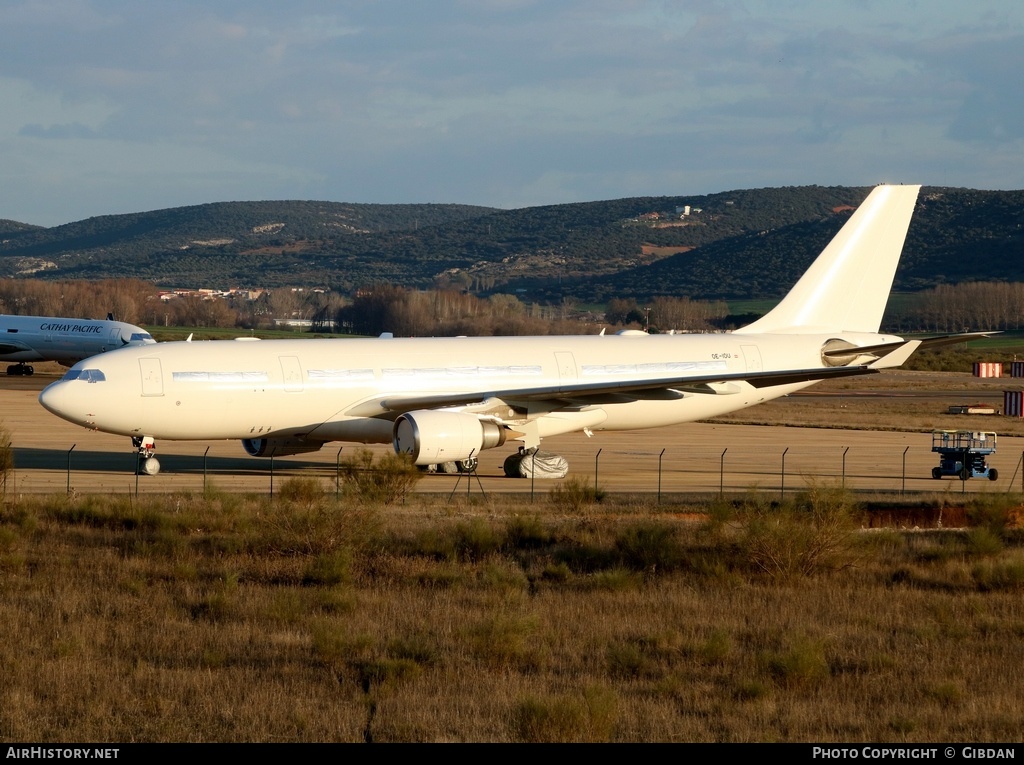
(566, 366)
(152, 377)
(752, 356)
(292, 374)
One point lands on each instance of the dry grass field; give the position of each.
(224, 617)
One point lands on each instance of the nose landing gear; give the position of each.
(146, 463)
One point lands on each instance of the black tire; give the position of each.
(936, 472)
(993, 474)
(965, 474)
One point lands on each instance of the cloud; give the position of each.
(58, 132)
(503, 103)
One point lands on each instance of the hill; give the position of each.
(737, 244)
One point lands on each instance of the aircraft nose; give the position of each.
(58, 399)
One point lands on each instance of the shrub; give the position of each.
(558, 719)
(803, 664)
(810, 535)
(329, 568)
(305, 492)
(507, 640)
(991, 512)
(526, 533)
(476, 539)
(983, 543)
(385, 481)
(650, 547)
(575, 494)
(999, 575)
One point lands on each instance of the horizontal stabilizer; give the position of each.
(885, 348)
(895, 358)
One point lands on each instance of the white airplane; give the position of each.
(444, 400)
(48, 338)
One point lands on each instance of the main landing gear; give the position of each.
(146, 463)
(459, 466)
(21, 368)
(533, 463)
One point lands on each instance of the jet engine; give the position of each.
(279, 447)
(433, 437)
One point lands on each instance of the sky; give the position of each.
(119, 106)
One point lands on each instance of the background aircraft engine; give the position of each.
(279, 447)
(434, 437)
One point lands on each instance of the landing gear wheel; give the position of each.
(535, 463)
(468, 465)
(428, 469)
(149, 466)
(449, 468)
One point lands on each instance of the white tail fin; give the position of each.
(847, 286)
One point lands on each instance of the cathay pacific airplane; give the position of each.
(444, 400)
(47, 338)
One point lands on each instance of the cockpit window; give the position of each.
(141, 337)
(89, 375)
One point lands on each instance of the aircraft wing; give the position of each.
(6, 346)
(586, 394)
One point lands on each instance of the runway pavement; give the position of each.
(52, 455)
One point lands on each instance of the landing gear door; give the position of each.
(152, 377)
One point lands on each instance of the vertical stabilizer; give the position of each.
(847, 287)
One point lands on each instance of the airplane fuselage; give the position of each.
(324, 390)
(48, 338)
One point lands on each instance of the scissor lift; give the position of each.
(963, 453)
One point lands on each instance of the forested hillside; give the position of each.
(738, 244)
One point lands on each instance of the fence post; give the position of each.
(659, 475)
(721, 472)
(337, 474)
(844, 465)
(533, 473)
(69, 466)
(903, 488)
(782, 491)
(204, 468)
(596, 458)
(272, 473)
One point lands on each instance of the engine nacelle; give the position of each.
(431, 437)
(279, 447)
